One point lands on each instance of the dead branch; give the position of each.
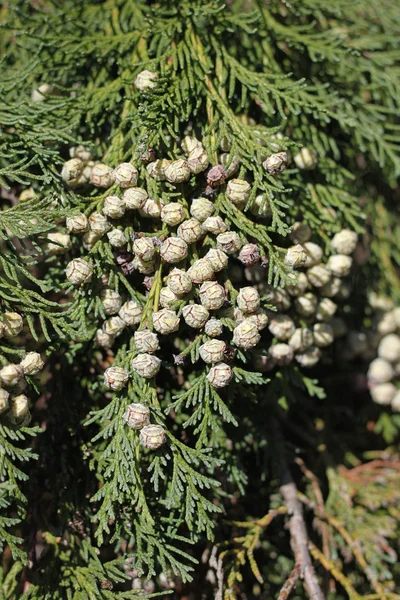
(290, 583)
(297, 526)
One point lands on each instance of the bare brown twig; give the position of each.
(329, 584)
(290, 582)
(297, 526)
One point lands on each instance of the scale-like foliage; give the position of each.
(266, 76)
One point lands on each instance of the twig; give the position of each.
(297, 526)
(329, 583)
(351, 543)
(331, 568)
(290, 583)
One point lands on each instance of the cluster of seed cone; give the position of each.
(14, 404)
(193, 259)
(379, 347)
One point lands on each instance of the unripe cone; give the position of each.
(307, 158)
(99, 224)
(19, 410)
(151, 208)
(114, 326)
(111, 301)
(215, 225)
(4, 401)
(173, 250)
(80, 152)
(383, 393)
(167, 297)
(179, 282)
(220, 375)
(309, 358)
(281, 326)
(89, 239)
(77, 224)
(134, 198)
(201, 209)
(114, 207)
(216, 176)
(238, 192)
(380, 371)
(340, 265)
(147, 267)
(131, 313)
(26, 195)
(214, 328)
(177, 171)
(146, 365)
(282, 354)
(157, 168)
(332, 288)
(295, 256)
(230, 164)
(259, 318)
(144, 248)
(137, 415)
(326, 309)
(172, 214)
(246, 335)
(12, 324)
(165, 321)
(217, 258)
(299, 287)
(301, 233)
(276, 163)
(344, 242)
(126, 175)
(72, 171)
(195, 315)
(152, 436)
(260, 207)
(201, 270)
(249, 255)
(212, 295)
(314, 254)
(32, 363)
(212, 351)
(59, 243)
(319, 275)
(37, 95)
(389, 348)
(146, 80)
(386, 323)
(306, 305)
(380, 302)
(248, 299)
(323, 335)
(190, 231)
(78, 271)
(197, 160)
(396, 402)
(301, 339)
(117, 238)
(103, 339)
(11, 374)
(146, 341)
(115, 378)
(189, 144)
(276, 296)
(102, 176)
(229, 242)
